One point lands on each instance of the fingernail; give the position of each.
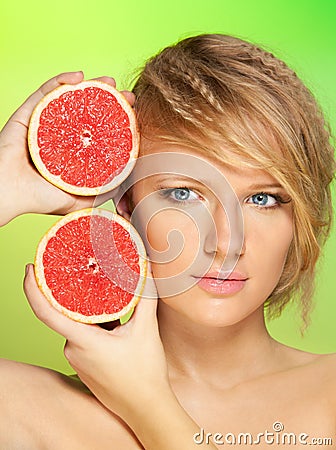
(27, 268)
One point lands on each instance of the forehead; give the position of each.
(160, 159)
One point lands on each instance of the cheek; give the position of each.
(268, 242)
(172, 242)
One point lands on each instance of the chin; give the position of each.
(217, 321)
(204, 309)
(209, 317)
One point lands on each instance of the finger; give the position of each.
(144, 316)
(130, 97)
(44, 311)
(24, 112)
(146, 309)
(64, 78)
(145, 312)
(150, 291)
(81, 202)
(108, 80)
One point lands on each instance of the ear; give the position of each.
(125, 206)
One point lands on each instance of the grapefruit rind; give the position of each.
(44, 288)
(34, 147)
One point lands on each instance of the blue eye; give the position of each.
(179, 195)
(262, 199)
(266, 201)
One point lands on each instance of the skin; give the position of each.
(194, 359)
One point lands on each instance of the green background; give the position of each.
(40, 39)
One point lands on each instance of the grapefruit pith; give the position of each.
(83, 138)
(91, 266)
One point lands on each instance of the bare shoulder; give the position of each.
(44, 409)
(293, 358)
(322, 370)
(20, 382)
(319, 369)
(325, 366)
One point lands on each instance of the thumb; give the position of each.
(147, 306)
(150, 290)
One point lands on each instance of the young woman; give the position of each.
(232, 198)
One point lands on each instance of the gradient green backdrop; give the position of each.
(39, 39)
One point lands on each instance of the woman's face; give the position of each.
(201, 219)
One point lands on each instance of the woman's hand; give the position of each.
(122, 367)
(126, 369)
(22, 188)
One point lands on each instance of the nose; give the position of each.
(224, 237)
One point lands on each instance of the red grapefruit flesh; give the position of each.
(83, 138)
(91, 265)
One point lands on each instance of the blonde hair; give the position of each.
(220, 89)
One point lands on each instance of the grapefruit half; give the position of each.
(91, 266)
(83, 138)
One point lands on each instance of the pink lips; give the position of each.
(220, 284)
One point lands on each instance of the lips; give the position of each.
(237, 276)
(217, 283)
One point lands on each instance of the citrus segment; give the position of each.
(83, 138)
(91, 265)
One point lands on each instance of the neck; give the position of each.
(204, 353)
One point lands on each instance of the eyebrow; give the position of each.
(183, 178)
(265, 186)
(203, 181)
